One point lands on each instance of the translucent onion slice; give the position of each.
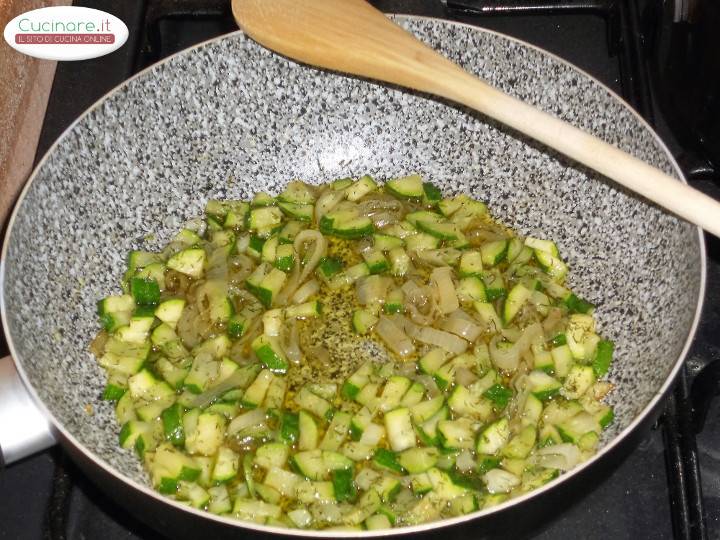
(395, 339)
(319, 250)
(252, 418)
(291, 343)
(464, 376)
(465, 461)
(372, 289)
(558, 456)
(210, 395)
(461, 327)
(305, 291)
(508, 358)
(446, 297)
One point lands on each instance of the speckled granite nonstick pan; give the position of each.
(228, 118)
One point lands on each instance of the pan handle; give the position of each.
(24, 430)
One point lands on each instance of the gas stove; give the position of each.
(669, 487)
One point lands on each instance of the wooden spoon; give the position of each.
(353, 37)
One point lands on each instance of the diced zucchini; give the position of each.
(169, 311)
(418, 460)
(425, 410)
(542, 385)
(431, 362)
(297, 192)
(407, 187)
(227, 464)
(329, 267)
(285, 482)
(562, 360)
(376, 261)
(439, 229)
(493, 437)
(385, 242)
(456, 434)
(358, 189)
(301, 212)
(386, 459)
(421, 241)
(285, 257)
(516, 299)
(272, 455)
(315, 404)
(263, 218)
(493, 252)
(207, 436)
(603, 357)
(172, 424)
(188, 261)
(140, 259)
(553, 266)
(378, 522)
(470, 264)
(219, 500)
(578, 381)
(343, 485)
(255, 393)
(471, 289)
(413, 396)
(521, 444)
(357, 381)
(399, 429)
(336, 432)
(171, 466)
(270, 353)
(363, 321)
(308, 431)
(252, 509)
(488, 315)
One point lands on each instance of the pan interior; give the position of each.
(229, 118)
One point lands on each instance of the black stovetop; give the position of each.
(668, 487)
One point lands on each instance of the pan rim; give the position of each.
(232, 522)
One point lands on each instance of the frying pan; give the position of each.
(228, 118)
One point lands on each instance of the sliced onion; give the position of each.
(461, 327)
(432, 336)
(210, 395)
(464, 376)
(252, 418)
(563, 456)
(447, 300)
(552, 319)
(430, 385)
(508, 358)
(420, 318)
(395, 339)
(319, 250)
(291, 344)
(413, 293)
(383, 219)
(465, 461)
(406, 369)
(305, 291)
(372, 289)
(500, 481)
(272, 322)
(291, 285)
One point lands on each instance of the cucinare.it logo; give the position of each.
(66, 33)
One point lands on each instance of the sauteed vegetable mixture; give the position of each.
(352, 355)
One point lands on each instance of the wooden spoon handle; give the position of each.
(353, 37)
